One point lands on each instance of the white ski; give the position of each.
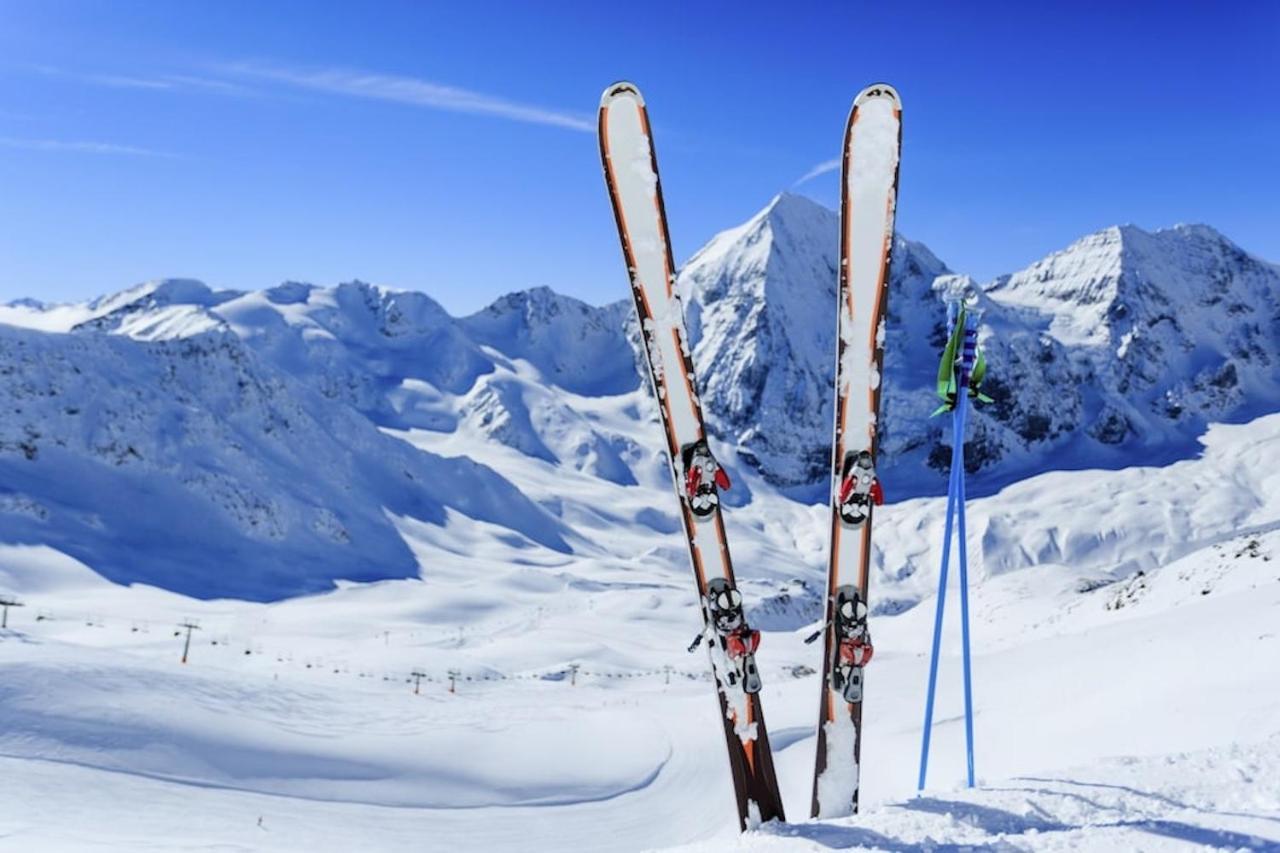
(869, 192)
(631, 172)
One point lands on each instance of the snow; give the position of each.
(536, 324)
(1183, 802)
(1139, 713)
(838, 784)
(204, 456)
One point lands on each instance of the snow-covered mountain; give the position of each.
(1169, 329)
(573, 345)
(191, 464)
(761, 305)
(1116, 351)
(267, 405)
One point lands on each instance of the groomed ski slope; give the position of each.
(1143, 713)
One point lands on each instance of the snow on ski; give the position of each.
(869, 191)
(631, 172)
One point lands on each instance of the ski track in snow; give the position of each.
(1175, 803)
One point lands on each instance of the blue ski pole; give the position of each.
(937, 627)
(970, 353)
(952, 493)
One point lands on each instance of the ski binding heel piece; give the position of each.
(852, 691)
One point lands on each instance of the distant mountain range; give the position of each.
(130, 417)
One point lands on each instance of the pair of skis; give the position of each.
(869, 193)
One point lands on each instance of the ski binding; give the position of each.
(703, 476)
(859, 488)
(738, 640)
(852, 649)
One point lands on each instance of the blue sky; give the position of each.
(449, 147)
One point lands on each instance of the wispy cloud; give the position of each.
(118, 81)
(820, 169)
(207, 84)
(336, 81)
(155, 82)
(415, 91)
(80, 147)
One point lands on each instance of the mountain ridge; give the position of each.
(1092, 365)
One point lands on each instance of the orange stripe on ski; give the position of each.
(668, 265)
(668, 273)
(749, 746)
(726, 564)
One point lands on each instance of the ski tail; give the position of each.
(869, 186)
(631, 172)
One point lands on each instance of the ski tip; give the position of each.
(620, 89)
(879, 90)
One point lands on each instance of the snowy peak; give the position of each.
(372, 311)
(360, 343)
(760, 302)
(790, 229)
(161, 292)
(1104, 284)
(158, 310)
(166, 291)
(290, 293)
(182, 302)
(794, 219)
(774, 273)
(1181, 321)
(536, 325)
(1086, 276)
